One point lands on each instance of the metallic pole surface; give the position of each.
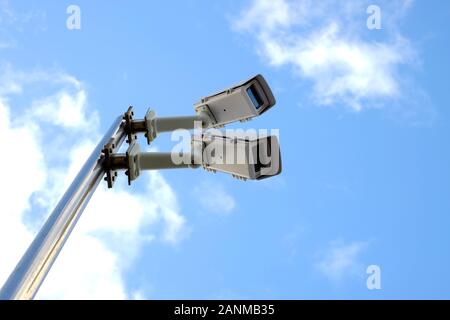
(31, 270)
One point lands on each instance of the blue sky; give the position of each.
(364, 126)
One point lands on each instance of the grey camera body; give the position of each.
(241, 156)
(241, 102)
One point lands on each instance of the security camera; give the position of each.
(238, 103)
(241, 156)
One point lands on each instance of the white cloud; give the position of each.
(116, 223)
(138, 295)
(85, 269)
(164, 198)
(326, 43)
(214, 198)
(341, 259)
(63, 109)
(20, 178)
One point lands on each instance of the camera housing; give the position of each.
(241, 156)
(241, 102)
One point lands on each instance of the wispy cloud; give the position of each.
(341, 259)
(214, 198)
(328, 44)
(43, 128)
(13, 22)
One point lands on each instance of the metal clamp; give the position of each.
(108, 154)
(150, 125)
(132, 159)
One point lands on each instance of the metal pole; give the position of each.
(31, 270)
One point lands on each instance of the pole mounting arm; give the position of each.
(151, 125)
(133, 161)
